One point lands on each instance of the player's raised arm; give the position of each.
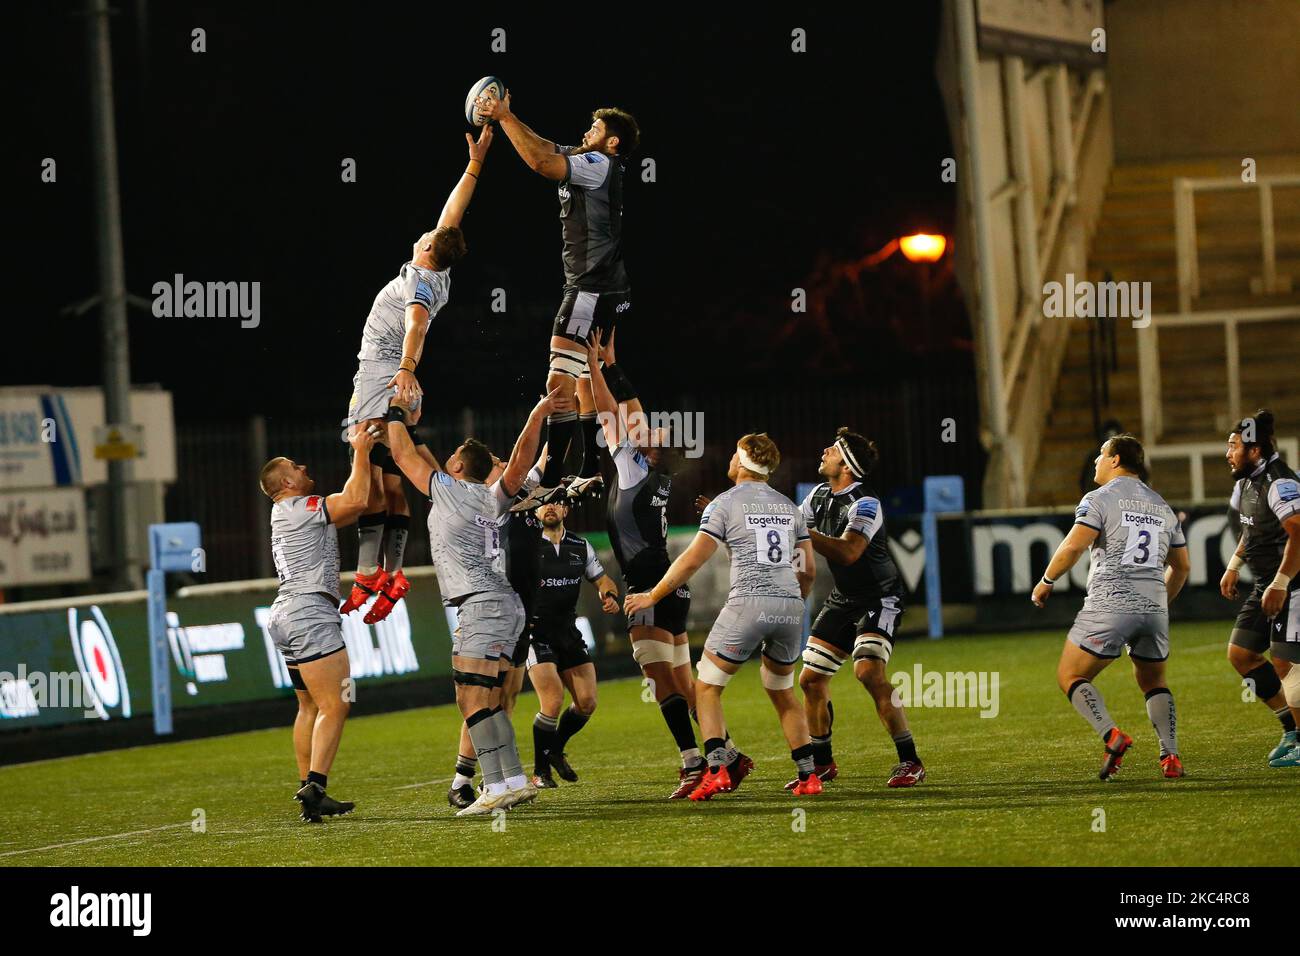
(542, 156)
(346, 506)
(680, 572)
(417, 470)
(458, 201)
(522, 457)
(606, 404)
(1078, 541)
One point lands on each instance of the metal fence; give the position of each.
(218, 462)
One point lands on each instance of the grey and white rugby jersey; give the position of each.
(381, 340)
(305, 546)
(465, 536)
(761, 528)
(1136, 529)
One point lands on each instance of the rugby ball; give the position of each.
(489, 86)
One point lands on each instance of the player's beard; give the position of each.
(1243, 472)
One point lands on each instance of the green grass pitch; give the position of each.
(1017, 789)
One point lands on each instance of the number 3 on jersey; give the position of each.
(1143, 545)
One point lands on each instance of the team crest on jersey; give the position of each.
(313, 503)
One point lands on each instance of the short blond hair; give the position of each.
(761, 451)
(268, 478)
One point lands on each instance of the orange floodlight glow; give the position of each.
(923, 248)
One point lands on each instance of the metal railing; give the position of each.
(1189, 271)
(1148, 340)
(1195, 453)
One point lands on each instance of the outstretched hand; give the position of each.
(478, 150)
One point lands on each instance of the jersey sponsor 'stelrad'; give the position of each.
(1264, 500)
(874, 575)
(591, 222)
(637, 516)
(761, 528)
(562, 566)
(381, 339)
(305, 546)
(1135, 530)
(465, 536)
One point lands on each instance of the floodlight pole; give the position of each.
(115, 346)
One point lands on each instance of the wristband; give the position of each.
(474, 168)
(402, 367)
(1280, 582)
(1048, 581)
(1235, 562)
(619, 385)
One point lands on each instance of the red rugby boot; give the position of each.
(363, 587)
(393, 592)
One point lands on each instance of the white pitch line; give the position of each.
(427, 783)
(94, 839)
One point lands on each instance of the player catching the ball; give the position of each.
(1139, 564)
(391, 345)
(596, 285)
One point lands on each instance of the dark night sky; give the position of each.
(768, 163)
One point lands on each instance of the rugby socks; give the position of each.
(803, 760)
(715, 750)
(1160, 708)
(570, 723)
(396, 530)
(1087, 701)
(314, 777)
(561, 427)
(512, 768)
(1283, 714)
(370, 535)
(465, 770)
(543, 743)
(906, 747)
(691, 758)
(590, 427)
(677, 715)
(487, 745)
(822, 744)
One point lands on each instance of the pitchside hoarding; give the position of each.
(90, 661)
(221, 654)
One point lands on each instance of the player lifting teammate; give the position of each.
(772, 572)
(846, 523)
(1139, 564)
(1267, 496)
(391, 345)
(304, 621)
(637, 518)
(557, 655)
(596, 285)
(520, 545)
(464, 537)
